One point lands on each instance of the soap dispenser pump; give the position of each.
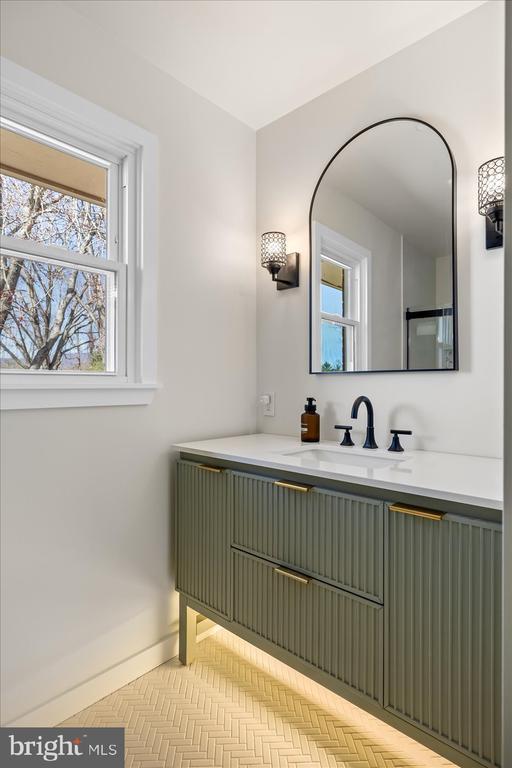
(310, 423)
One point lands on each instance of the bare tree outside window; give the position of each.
(53, 316)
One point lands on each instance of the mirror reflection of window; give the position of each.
(339, 295)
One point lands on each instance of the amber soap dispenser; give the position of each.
(310, 423)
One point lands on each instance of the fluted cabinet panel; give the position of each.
(333, 536)
(444, 630)
(203, 529)
(333, 631)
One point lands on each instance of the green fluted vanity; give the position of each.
(390, 598)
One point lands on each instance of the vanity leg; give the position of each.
(188, 624)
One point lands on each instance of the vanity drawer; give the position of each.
(329, 535)
(332, 630)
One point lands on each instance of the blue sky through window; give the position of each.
(332, 300)
(332, 346)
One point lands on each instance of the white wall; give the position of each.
(86, 493)
(441, 80)
(419, 278)
(443, 281)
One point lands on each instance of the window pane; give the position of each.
(45, 216)
(52, 197)
(334, 285)
(337, 346)
(54, 317)
(332, 346)
(332, 300)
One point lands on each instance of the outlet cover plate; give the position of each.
(268, 403)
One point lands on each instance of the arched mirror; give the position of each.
(382, 250)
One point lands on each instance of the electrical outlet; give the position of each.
(268, 403)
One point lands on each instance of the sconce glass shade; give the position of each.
(273, 251)
(491, 190)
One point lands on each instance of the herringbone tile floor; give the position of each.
(236, 706)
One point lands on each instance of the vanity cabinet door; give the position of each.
(443, 646)
(203, 533)
(330, 629)
(332, 536)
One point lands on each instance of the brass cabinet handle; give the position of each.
(293, 486)
(417, 511)
(291, 575)
(207, 468)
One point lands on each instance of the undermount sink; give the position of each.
(315, 456)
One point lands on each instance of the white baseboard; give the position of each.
(90, 691)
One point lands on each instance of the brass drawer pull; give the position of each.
(293, 486)
(292, 575)
(207, 468)
(417, 511)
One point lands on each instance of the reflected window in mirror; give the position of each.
(339, 301)
(383, 263)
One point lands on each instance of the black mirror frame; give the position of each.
(454, 258)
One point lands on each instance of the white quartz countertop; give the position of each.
(461, 478)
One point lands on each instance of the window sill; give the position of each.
(79, 395)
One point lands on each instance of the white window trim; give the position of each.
(346, 252)
(30, 100)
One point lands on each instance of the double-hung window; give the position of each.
(340, 329)
(78, 251)
(62, 285)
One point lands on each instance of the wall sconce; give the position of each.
(284, 267)
(491, 193)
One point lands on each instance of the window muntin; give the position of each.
(59, 313)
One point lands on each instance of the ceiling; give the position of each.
(260, 59)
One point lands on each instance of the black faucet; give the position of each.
(370, 430)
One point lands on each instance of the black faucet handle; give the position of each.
(347, 440)
(395, 443)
